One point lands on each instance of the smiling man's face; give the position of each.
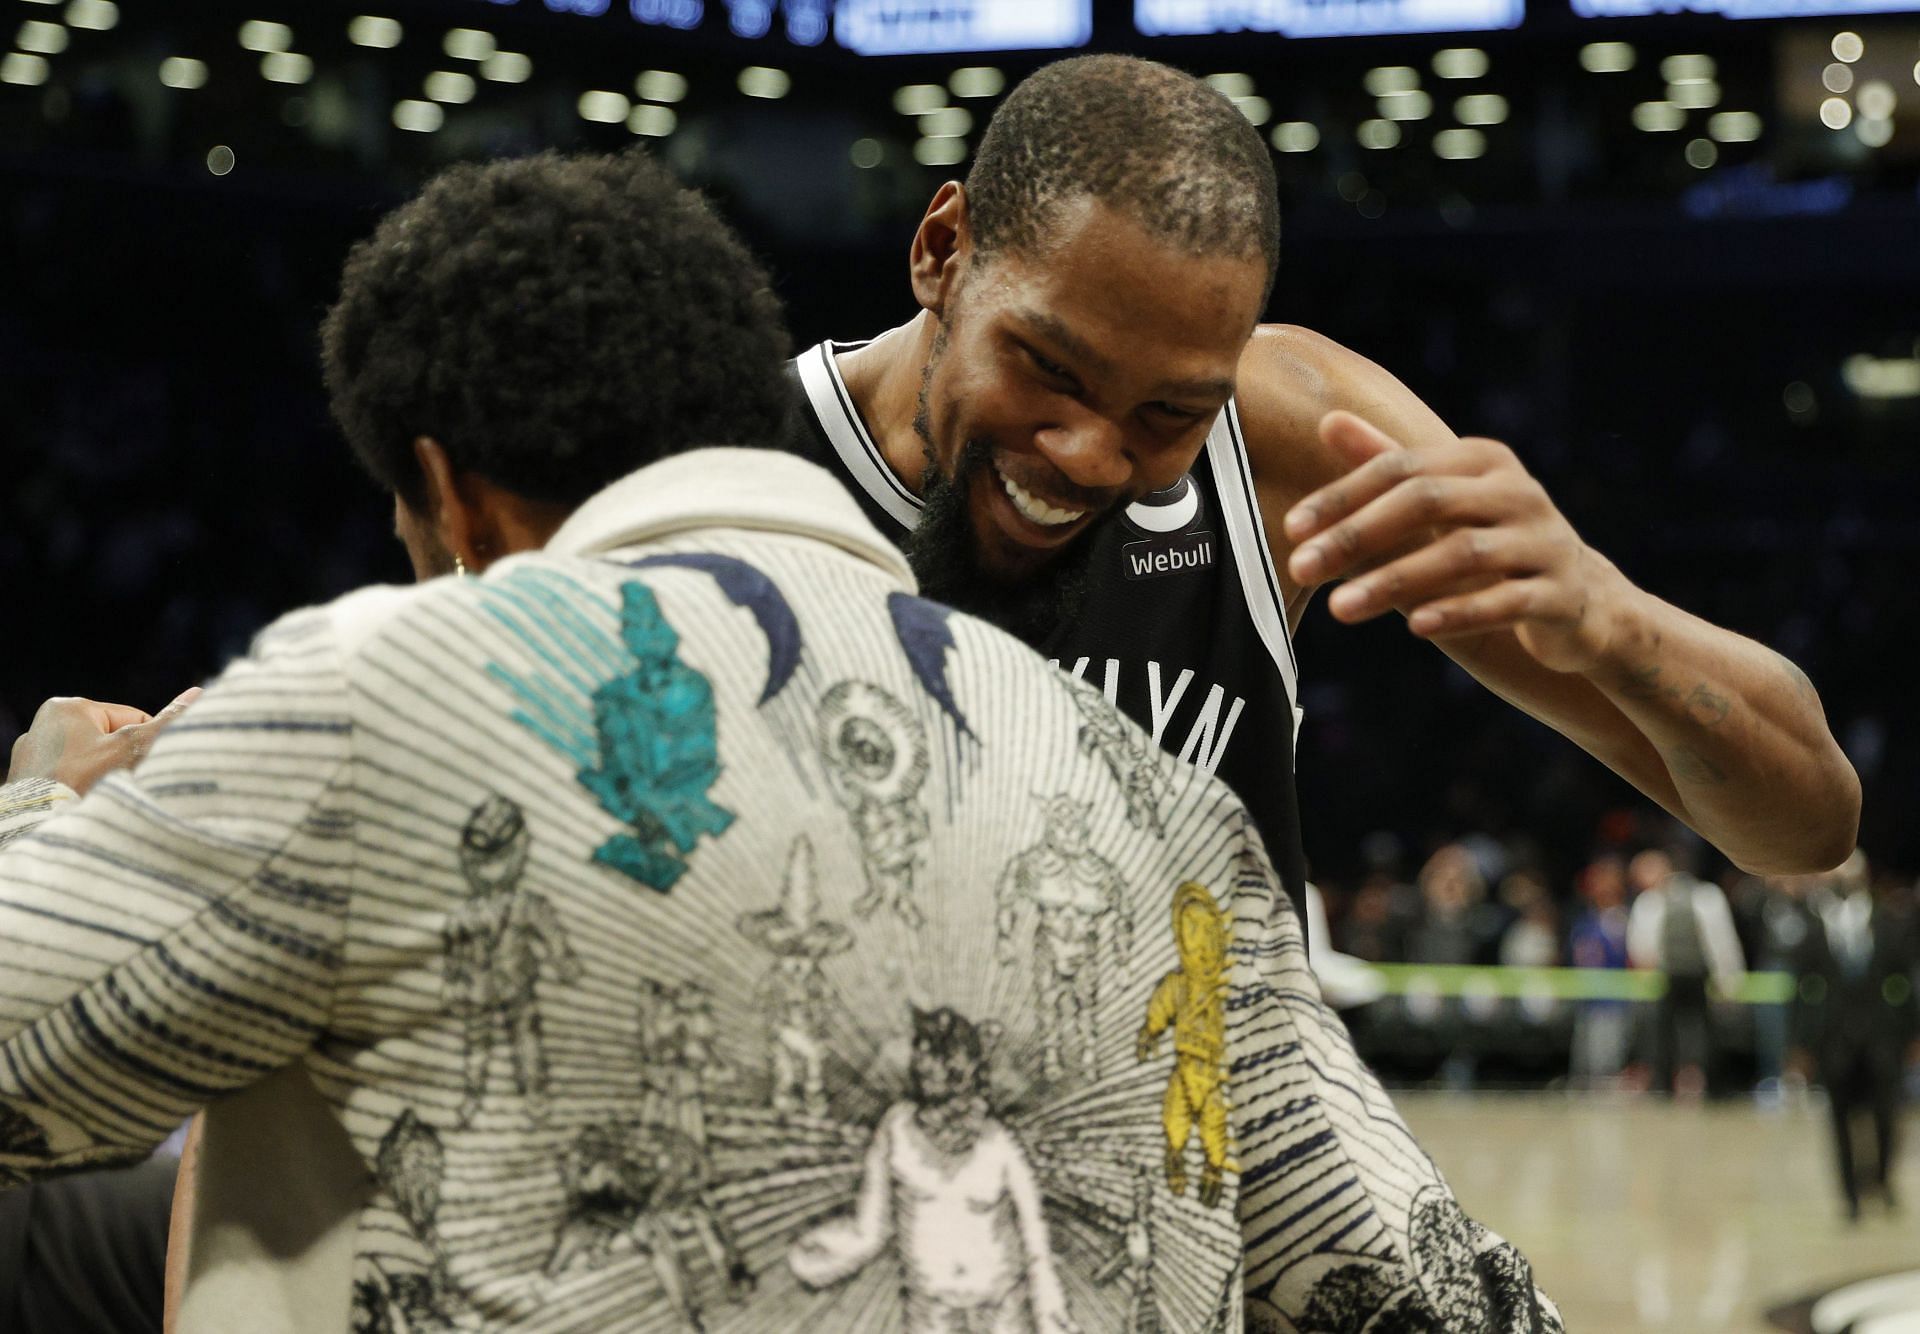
(1064, 384)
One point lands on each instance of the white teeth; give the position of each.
(1031, 507)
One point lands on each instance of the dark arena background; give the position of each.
(1669, 251)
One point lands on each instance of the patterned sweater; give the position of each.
(687, 927)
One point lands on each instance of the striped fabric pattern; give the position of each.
(704, 933)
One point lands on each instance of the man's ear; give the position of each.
(941, 248)
(450, 509)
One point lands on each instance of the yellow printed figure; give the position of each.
(1193, 1002)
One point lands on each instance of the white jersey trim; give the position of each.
(1240, 508)
(833, 408)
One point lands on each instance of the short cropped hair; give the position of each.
(555, 323)
(1160, 146)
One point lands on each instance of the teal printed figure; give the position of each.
(497, 944)
(658, 750)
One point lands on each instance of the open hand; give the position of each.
(80, 741)
(1460, 538)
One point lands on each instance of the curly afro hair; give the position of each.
(555, 323)
(1156, 144)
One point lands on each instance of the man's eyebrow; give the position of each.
(1056, 332)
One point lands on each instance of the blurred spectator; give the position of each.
(1778, 924)
(1856, 1020)
(1681, 926)
(1457, 924)
(1346, 983)
(1533, 938)
(1602, 1029)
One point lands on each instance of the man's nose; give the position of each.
(1089, 449)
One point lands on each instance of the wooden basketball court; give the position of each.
(1643, 1215)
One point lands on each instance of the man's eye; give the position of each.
(1176, 411)
(1052, 368)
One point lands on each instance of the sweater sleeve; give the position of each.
(174, 935)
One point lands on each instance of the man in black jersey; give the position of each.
(1086, 436)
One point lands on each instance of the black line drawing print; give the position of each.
(497, 944)
(1132, 759)
(876, 759)
(1132, 1264)
(793, 994)
(635, 1181)
(949, 1188)
(1077, 895)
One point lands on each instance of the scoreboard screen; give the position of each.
(1325, 18)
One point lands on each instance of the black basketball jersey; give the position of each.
(1182, 625)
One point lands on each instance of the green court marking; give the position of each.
(1570, 984)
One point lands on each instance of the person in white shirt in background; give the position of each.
(1682, 926)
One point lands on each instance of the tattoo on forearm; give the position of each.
(1708, 707)
(1705, 705)
(1690, 766)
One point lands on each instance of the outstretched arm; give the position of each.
(1456, 535)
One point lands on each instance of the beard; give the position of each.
(945, 551)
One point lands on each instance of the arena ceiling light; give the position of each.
(264, 36)
(1481, 109)
(25, 70)
(93, 15)
(1680, 69)
(418, 117)
(946, 123)
(1658, 117)
(1458, 145)
(41, 38)
(1694, 94)
(286, 67)
(916, 99)
(1876, 100)
(1837, 78)
(603, 106)
(940, 151)
(1410, 105)
(1378, 134)
(1231, 85)
(1734, 127)
(1257, 110)
(1702, 153)
(1295, 136)
(1847, 46)
(867, 154)
(1607, 57)
(450, 86)
(654, 122)
(375, 31)
(1836, 113)
(507, 67)
(976, 81)
(469, 44)
(183, 72)
(764, 81)
(660, 85)
(1460, 62)
(1873, 133)
(1391, 79)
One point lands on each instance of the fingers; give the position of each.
(1463, 561)
(1504, 606)
(1346, 523)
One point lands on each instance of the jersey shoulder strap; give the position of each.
(1226, 452)
(832, 406)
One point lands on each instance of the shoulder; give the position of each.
(1289, 378)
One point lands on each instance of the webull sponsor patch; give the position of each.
(1168, 555)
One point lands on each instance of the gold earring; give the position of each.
(459, 568)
